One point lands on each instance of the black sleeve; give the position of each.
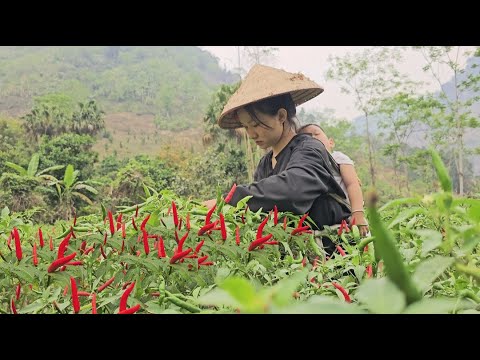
(294, 189)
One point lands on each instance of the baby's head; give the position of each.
(317, 132)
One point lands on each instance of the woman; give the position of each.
(295, 175)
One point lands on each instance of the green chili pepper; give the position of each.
(394, 266)
(183, 304)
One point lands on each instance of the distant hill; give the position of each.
(171, 83)
(417, 139)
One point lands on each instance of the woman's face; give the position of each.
(263, 137)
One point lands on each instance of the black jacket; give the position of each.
(299, 183)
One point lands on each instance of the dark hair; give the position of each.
(303, 127)
(271, 105)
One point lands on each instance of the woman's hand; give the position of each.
(361, 222)
(210, 203)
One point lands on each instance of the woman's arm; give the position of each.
(350, 178)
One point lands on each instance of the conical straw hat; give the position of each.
(263, 82)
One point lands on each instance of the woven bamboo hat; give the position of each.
(263, 82)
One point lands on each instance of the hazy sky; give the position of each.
(312, 62)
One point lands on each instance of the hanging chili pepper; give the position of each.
(40, 236)
(315, 263)
(119, 221)
(136, 211)
(285, 223)
(75, 263)
(126, 293)
(108, 282)
(83, 293)
(144, 222)
(202, 259)
(17, 291)
(230, 193)
(51, 243)
(206, 263)
(112, 224)
(179, 256)
(275, 215)
(205, 228)
(103, 252)
(146, 247)
(105, 239)
(187, 222)
(369, 271)
(35, 257)
(259, 242)
(75, 301)
(260, 228)
(222, 227)
(343, 291)
(199, 246)
(134, 225)
(12, 306)
(18, 245)
(94, 303)
(175, 213)
(89, 250)
(131, 310)
(161, 248)
(209, 214)
(271, 243)
(124, 234)
(65, 290)
(299, 230)
(237, 235)
(340, 250)
(63, 246)
(60, 262)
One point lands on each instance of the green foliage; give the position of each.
(69, 149)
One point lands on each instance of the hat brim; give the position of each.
(227, 119)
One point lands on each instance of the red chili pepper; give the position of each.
(343, 291)
(60, 262)
(369, 271)
(83, 246)
(124, 234)
(199, 246)
(275, 215)
(134, 225)
(35, 257)
(146, 247)
(230, 193)
(304, 261)
(180, 224)
(285, 223)
(63, 246)
(260, 228)
(108, 282)
(75, 219)
(179, 255)
(302, 219)
(83, 293)
(89, 250)
(209, 214)
(365, 249)
(202, 259)
(237, 235)
(169, 210)
(119, 221)
(112, 224)
(222, 227)
(205, 228)
(65, 290)
(40, 236)
(103, 252)
(18, 245)
(206, 263)
(176, 236)
(17, 291)
(340, 250)
(259, 242)
(315, 263)
(94, 303)
(12, 306)
(123, 299)
(51, 243)
(75, 301)
(187, 222)
(136, 211)
(131, 310)
(353, 221)
(175, 214)
(161, 247)
(75, 263)
(105, 239)
(71, 232)
(271, 243)
(300, 230)
(243, 219)
(144, 222)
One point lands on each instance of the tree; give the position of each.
(458, 97)
(369, 77)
